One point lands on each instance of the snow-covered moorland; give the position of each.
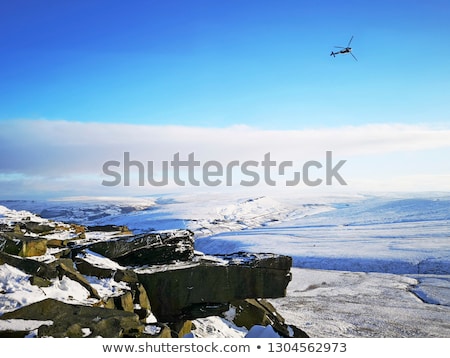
(364, 266)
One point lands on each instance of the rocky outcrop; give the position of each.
(16, 243)
(260, 312)
(208, 284)
(165, 283)
(148, 249)
(34, 227)
(78, 321)
(29, 266)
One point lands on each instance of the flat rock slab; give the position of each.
(195, 289)
(148, 249)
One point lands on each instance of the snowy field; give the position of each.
(365, 265)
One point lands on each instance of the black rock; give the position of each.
(197, 288)
(148, 249)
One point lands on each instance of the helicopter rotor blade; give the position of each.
(351, 38)
(339, 46)
(353, 56)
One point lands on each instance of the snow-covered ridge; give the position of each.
(251, 213)
(82, 210)
(9, 216)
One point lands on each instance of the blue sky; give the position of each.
(75, 76)
(218, 63)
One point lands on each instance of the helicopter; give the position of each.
(344, 50)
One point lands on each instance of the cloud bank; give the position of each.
(51, 158)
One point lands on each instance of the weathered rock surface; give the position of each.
(29, 266)
(18, 244)
(88, 269)
(36, 227)
(124, 230)
(79, 321)
(148, 249)
(251, 312)
(195, 289)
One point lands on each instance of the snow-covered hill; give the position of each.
(373, 266)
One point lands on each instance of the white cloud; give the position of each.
(42, 154)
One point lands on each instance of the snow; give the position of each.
(98, 260)
(217, 327)
(86, 332)
(381, 235)
(364, 265)
(152, 329)
(22, 324)
(107, 287)
(356, 304)
(16, 290)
